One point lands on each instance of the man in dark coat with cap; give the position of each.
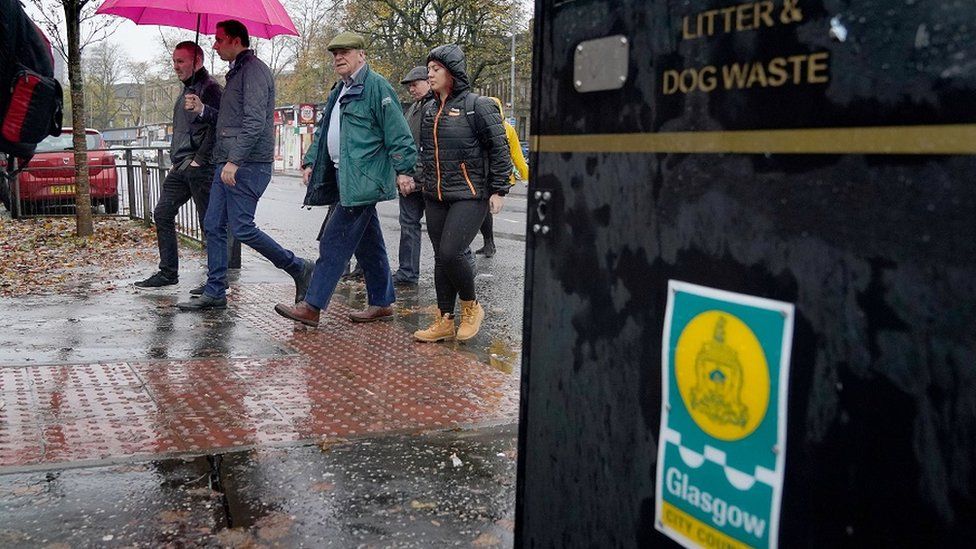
(412, 205)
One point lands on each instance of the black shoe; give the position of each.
(399, 280)
(157, 280)
(303, 280)
(202, 303)
(488, 250)
(355, 274)
(198, 291)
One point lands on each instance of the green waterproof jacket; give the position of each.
(374, 146)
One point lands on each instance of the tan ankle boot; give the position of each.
(472, 313)
(441, 329)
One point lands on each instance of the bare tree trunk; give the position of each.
(83, 208)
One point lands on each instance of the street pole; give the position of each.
(512, 112)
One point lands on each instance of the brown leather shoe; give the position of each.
(372, 314)
(300, 312)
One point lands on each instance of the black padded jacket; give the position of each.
(193, 139)
(464, 152)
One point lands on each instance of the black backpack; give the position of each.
(477, 124)
(31, 100)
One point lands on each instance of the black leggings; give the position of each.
(452, 226)
(487, 230)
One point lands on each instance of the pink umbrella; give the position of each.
(263, 18)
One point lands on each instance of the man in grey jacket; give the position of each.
(243, 154)
(190, 150)
(412, 204)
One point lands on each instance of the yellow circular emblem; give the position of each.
(722, 375)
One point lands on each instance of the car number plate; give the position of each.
(63, 189)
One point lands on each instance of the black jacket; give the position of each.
(245, 122)
(467, 157)
(193, 139)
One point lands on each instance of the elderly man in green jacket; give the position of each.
(362, 152)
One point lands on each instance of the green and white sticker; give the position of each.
(722, 446)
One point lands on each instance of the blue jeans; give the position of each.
(352, 230)
(232, 207)
(411, 211)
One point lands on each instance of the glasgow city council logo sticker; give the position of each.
(722, 446)
(724, 387)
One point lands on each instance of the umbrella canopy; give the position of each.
(263, 18)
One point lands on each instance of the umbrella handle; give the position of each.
(197, 39)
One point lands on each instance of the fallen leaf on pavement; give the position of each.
(322, 487)
(486, 540)
(235, 537)
(506, 524)
(274, 526)
(43, 255)
(327, 444)
(170, 516)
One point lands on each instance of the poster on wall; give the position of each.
(306, 114)
(722, 448)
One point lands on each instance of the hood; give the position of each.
(451, 56)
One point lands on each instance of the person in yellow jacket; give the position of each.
(521, 168)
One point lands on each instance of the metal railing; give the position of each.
(123, 182)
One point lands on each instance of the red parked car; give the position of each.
(50, 177)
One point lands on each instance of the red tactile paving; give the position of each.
(83, 375)
(111, 402)
(99, 438)
(343, 380)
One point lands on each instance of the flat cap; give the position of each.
(347, 41)
(416, 73)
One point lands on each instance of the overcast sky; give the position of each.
(141, 42)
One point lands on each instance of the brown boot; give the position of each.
(300, 312)
(472, 313)
(441, 329)
(372, 313)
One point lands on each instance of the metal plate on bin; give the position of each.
(601, 64)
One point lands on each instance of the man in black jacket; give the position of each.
(190, 151)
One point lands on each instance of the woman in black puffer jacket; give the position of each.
(466, 162)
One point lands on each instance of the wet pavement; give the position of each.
(114, 405)
(430, 490)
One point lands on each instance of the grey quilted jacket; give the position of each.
(245, 121)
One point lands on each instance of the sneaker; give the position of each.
(441, 329)
(157, 280)
(472, 313)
